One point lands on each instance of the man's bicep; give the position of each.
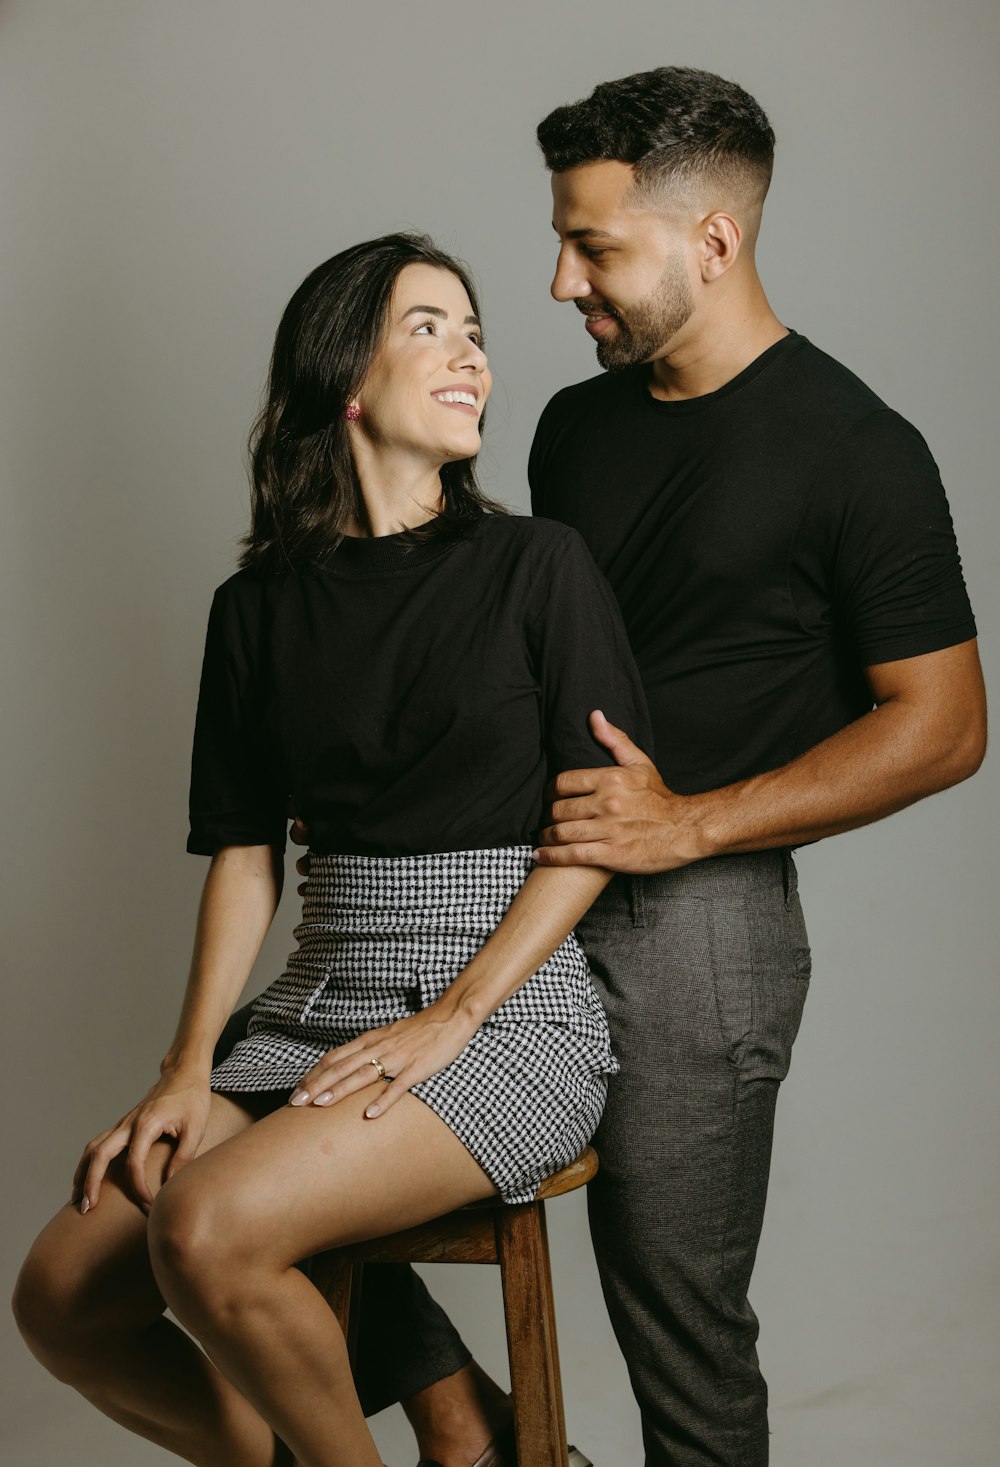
(949, 674)
(881, 514)
(946, 692)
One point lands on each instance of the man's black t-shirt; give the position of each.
(767, 542)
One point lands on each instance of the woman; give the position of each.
(409, 666)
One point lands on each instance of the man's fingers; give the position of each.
(589, 853)
(302, 865)
(573, 782)
(572, 832)
(616, 741)
(584, 807)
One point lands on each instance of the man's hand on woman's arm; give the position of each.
(927, 731)
(240, 897)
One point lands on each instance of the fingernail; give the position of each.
(373, 1111)
(300, 1097)
(85, 1205)
(534, 855)
(323, 1099)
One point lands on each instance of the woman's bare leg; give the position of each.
(89, 1308)
(226, 1232)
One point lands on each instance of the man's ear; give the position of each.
(720, 244)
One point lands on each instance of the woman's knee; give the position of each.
(197, 1244)
(69, 1302)
(41, 1301)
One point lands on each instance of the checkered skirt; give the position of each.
(382, 937)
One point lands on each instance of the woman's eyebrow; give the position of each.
(437, 311)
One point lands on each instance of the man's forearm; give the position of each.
(870, 769)
(928, 731)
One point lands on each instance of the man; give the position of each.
(781, 548)
(780, 545)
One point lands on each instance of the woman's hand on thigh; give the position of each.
(406, 1052)
(177, 1106)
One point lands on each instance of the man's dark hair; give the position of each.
(304, 486)
(672, 124)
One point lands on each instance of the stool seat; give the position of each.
(489, 1231)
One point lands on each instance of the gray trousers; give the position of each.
(703, 972)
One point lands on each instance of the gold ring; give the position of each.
(379, 1066)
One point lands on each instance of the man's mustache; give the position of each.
(587, 308)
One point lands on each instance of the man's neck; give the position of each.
(715, 351)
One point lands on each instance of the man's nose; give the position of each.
(569, 282)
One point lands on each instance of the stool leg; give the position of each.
(523, 1255)
(339, 1280)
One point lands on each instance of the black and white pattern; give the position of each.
(382, 937)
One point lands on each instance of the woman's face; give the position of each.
(428, 383)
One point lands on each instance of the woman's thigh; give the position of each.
(94, 1269)
(308, 1178)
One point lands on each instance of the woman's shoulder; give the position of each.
(247, 587)
(529, 533)
(242, 604)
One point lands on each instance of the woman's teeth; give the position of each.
(465, 397)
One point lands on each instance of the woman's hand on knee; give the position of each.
(177, 1106)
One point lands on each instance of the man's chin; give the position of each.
(613, 359)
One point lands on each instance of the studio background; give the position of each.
(170, 173)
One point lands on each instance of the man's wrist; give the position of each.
(697, 834)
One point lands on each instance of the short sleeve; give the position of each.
(236, 796)
(897, 581)
(583, 659)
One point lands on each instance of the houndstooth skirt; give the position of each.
(382, 937)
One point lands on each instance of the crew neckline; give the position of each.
(679, 406)
(377, 554)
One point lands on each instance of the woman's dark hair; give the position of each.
(669, 123)
(304, 486)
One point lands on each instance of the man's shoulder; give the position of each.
(824, 385)
(592, 394)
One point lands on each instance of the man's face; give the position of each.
(626, 269)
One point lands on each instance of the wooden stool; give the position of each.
(486, 1232)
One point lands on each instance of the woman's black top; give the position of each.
(405, 697)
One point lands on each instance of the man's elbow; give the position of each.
(973, 754)
(963, 753)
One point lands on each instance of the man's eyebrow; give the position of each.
(587, 233)
(437, 311)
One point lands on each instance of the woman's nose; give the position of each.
(468, 356)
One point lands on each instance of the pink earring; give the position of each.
(352, 412)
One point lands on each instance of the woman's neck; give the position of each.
(397, 494)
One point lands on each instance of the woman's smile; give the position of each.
(464, 398)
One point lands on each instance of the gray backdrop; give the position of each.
(171, 172)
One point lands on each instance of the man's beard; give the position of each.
(647, 327)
